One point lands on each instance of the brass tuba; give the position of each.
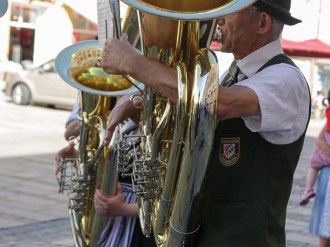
(95, 167)
(176, 139)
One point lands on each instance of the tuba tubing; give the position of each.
(172, 162)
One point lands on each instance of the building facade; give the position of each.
(36, 30)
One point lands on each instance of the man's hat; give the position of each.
(279, 9)
(3, 7)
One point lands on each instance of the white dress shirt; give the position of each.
(282, 92)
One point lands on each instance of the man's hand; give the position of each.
(67, 152)
(126, 107)
(117, 55)
(114, 205)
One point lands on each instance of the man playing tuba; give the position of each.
(263, 111)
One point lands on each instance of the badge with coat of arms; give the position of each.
(229, 151)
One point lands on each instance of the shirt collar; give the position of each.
(250, 64)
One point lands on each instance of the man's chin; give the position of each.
(224, 49)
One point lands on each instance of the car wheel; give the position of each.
(21, 94)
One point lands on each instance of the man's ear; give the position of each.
(265, 23)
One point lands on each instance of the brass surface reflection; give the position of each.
(97, 78)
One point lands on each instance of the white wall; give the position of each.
(53, 34)
(314, 20)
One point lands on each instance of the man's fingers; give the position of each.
(57, 169)
(124, 37)
(58, 164)
(107, 137)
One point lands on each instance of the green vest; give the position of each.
(248, 185)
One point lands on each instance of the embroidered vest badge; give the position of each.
(229, 151)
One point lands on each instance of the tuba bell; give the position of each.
(95, 167)
(176, 139)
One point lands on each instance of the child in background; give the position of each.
(318, 159)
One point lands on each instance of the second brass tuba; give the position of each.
(176, 139)
(95, 167)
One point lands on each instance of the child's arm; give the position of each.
(321, 142)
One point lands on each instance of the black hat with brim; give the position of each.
(279, 9)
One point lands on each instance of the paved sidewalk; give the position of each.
(32, 213)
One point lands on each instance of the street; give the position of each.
(32, 213)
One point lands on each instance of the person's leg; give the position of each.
(311, 178)
(316, 164)
(324, 242)
(310, 182)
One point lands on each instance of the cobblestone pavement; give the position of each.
(32, 213)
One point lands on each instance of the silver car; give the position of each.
(39, 85)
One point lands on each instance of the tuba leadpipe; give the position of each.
(170, 165)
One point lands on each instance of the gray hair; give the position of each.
(277, 28)
(277, 25)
